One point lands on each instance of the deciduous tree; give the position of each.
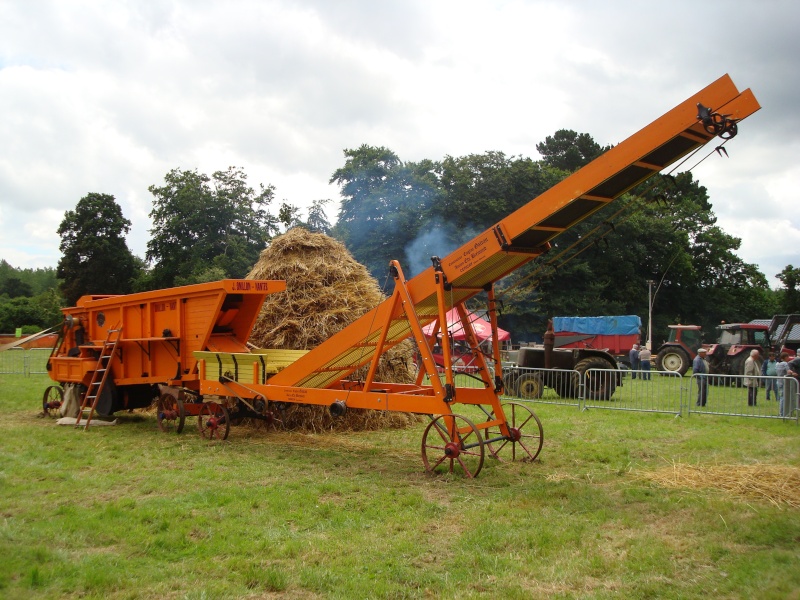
(95, 258)
(202, 223)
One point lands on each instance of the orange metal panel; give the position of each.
(161, 329)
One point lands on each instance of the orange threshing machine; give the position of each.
(187, 346)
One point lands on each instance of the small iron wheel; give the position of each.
(525, 431)
(214, 422)
(51, 400)
(171, 414)
(451, 443)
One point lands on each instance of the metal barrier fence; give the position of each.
(650, 391)
(18, 361)
(549, 386)
(730, 395)
(654, 391)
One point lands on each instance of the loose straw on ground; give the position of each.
(778, 484)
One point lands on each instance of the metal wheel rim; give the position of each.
(53, 393)
(168, 402)
(523, 419)
(206, 413)
(437, 439)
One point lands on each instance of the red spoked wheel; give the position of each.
(452, 444)
(51, 400)
(213, 421)
(526, 435)
(170, 413)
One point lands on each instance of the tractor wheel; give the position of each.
(565, 383)
(529, 386)
(673, 359)
(597, 385)
(510, 384)
(737, 368)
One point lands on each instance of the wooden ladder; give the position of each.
(99, 376)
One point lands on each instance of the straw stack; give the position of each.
(326, 290)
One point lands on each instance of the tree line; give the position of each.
(207, 227)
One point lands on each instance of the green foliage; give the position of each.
(36, 313)
(202, 222)
(16, 282)
(790, 296)
(317, 221)
(383, 203)
(664, 230)
(569, 151)
(95, 258)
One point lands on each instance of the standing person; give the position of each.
(644, 361)
(791, 403)
(633, 356)
(768, 371)
(781, 370)
(752, 369)
(700, 373)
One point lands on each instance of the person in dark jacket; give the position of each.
(700, 372)
(633, 357)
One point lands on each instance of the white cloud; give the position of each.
(109, 97)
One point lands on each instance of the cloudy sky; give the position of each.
(108, 96)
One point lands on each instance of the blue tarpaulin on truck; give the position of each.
(619, 325)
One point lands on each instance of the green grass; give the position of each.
(128, 512)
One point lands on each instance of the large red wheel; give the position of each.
(213, 421)
(526, 435)
(452, 444)
(170, 413)
(51, 400)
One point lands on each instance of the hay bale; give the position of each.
(326, 290)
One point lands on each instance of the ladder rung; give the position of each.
(92, 397)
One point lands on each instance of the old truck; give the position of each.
(616, 334)
(186, 348)
(576, 358)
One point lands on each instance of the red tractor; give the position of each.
(677, 353)
(733, 347)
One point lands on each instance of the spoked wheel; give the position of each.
(526, 434)
(214, 422)
(451, 444)
(171, 414)
(51, 400)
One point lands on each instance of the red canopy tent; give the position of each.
(482, 327)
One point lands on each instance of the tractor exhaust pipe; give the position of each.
(549, 344)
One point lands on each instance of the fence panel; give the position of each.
(37, 360)
(650, 391)
(12, 362)
(730, 395)
(19, 361)
(548, 386)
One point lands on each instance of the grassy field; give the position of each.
(129, 512)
